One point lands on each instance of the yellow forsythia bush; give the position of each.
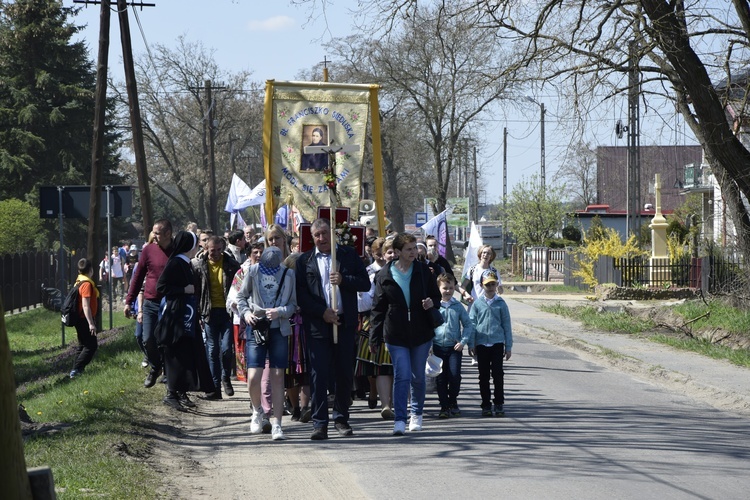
(604, 241)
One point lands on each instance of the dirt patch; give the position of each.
(210, 445)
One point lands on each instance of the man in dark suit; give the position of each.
(315, 275)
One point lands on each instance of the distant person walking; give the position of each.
(86, 323)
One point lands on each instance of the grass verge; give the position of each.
(606, 321)
(721, 316)
(103, 415)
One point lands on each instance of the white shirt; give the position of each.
(324, 266)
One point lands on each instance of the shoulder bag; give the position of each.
(262, 327)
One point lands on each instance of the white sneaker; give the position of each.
(256, 422)
(399, 427)
(415, 424)
(276, 433)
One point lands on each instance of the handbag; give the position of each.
(436, 319)
(262, 327)
(176, 319)
(261, 331)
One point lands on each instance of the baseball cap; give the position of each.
(489, 276)
(133, 247)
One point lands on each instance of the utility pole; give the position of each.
(139, 150)
(543, 112)
(634, 156)
(213, 216)
(97, 148)
(544, 156)
(476, 192)
(505, 189)
(135, 115)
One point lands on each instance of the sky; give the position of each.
(276, 40)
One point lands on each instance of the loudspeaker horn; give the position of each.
(366, 207)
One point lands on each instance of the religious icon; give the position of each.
(314, 135)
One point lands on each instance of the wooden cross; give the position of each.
(331, 150)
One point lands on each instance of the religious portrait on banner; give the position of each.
(302, 122)
(314, 135)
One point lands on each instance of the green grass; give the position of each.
(607, 321)
(722, 316)
(105, 412)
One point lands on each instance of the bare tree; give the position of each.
(578, 172)
(437, 64)
(175, 114)
(694, 54)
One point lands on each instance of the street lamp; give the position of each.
(541, 121)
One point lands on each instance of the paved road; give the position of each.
(577, 426)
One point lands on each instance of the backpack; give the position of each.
(69, 309)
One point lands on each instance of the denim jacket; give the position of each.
(449, 333)
(492, 323)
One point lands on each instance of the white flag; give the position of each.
(241, 196)
(475, 241)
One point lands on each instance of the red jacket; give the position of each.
(150, 265)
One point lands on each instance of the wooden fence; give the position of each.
(22, 276)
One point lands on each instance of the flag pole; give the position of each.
(332, 215)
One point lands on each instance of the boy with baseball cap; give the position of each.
(493, 341)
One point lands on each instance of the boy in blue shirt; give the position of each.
(448, 344)
(493, 341)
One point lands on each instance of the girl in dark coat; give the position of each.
(405, 290)
(178, 331)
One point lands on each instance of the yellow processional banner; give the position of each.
(332, 116)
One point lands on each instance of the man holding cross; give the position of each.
(319, 277)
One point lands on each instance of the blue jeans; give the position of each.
(449, 380)
(150, 317)
(219, 346)
(276, 348)
(408, 370)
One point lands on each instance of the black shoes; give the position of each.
(296, 414)
(172, 400)
(319, 434)
(212, 396)
(150, 381)
(343, 428)
(305, 414)
(184, 400)
(228, 389)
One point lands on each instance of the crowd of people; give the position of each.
(307, 332)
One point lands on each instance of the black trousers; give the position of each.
(490, 362)
(331, 362)
(87, 344)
